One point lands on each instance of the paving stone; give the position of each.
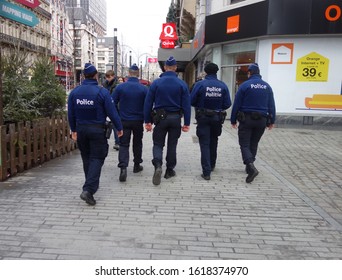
(292, 210)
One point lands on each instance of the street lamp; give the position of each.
(115, 51)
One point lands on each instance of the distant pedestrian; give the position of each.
(254, 109)
(130, 98)
(110, 84)
(120, 80)
(168, 99)
(211, 98)
(88, 107)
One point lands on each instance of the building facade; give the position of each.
(61, 44)
(296, 44)
(97, 9)
(82, 30)
(25, 27)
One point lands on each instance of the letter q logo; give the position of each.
(169, 32)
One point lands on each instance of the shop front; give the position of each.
(296, 44)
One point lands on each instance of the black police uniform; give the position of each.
(88, 107)
(130, 98)
(211, 98)
(170, 95)
(253, 107)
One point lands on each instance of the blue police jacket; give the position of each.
(130, 98)
(91, 104)
(211, 93)
(254, 95)
(169, 93)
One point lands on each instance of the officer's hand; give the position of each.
(235, 126)
(148, 127)
(185, 128)
(270, 126)
(74, 136)
(120, 133)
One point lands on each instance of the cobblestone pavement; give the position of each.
(292, 210)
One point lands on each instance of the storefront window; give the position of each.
(235, 60)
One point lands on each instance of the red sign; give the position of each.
(152, 60)
(29, 3)
(169, 32)
(167, 44)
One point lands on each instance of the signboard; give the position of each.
(282, 53)
(236, 24)
(168, 36)
(326, 17)
(169, 32)
(16, 13)
(29, 3)
(304, 17)
(233, 24)
(312, 67)
(168, 44)
(152, 60)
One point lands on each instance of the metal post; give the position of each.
(115, 52)
(130, 58)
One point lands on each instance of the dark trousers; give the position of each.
(171, 126)
(129, 127)
(250, 133)
(208, 130)
(93, 146)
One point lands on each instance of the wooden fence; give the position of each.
(28, 144)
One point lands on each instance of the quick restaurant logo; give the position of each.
(233, 24)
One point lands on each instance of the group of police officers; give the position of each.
(163, 105)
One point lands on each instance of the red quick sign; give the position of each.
(168, 36)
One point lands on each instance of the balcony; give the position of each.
(10, 40)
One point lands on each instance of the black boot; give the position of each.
(169, 173)
(247, 169)
(157, 175)
(137, 168)
(88, 198)
(252, 172)
(123, 174)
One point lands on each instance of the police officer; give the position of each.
(130, 98)
(88, 106)
(211, 98)
(255, 110)
(110, 84)
(169, 98)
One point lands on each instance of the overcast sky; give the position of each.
(139, 23)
